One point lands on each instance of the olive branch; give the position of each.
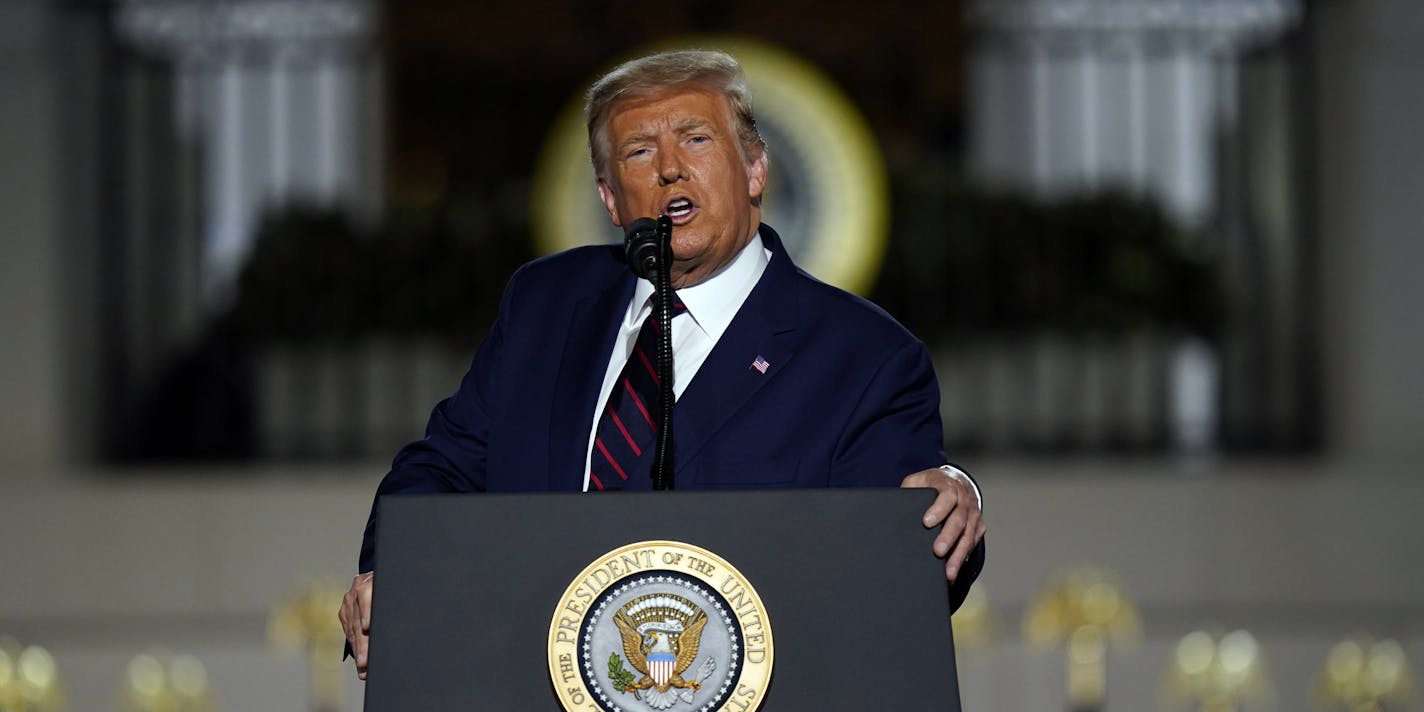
(619, 675)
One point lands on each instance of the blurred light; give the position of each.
(37, 675)
(1194, 653)
(190, 678)
(145, 676)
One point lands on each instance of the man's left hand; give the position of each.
(957, 506)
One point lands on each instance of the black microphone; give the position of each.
(647, 245)
(641, 248)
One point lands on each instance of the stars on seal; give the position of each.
(595, 649)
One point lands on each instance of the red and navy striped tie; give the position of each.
(622, 454)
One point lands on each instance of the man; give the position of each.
(781, 381)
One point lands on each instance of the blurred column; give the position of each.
(33, 262)
(1068, 95)
(273, 101)
(1155, 97)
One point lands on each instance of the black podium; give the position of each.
(467, 586)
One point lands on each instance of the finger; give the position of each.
(357, 642)
(347, 615)
(961, 553)
(950, 533)
(359, 646)
(940, 509)
(363, 601)
(361, 621)
(975, 528)
(945, 501)
(917, 479)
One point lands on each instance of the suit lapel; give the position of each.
(593, 326)
(765, 328)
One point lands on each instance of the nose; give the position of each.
(670, 168)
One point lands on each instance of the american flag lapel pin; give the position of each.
(761, 364)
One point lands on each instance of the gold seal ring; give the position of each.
(660, 625)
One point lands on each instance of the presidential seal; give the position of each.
(660, 625)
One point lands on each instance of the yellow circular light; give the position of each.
(1195, 652)
(36, 668)
(146, 678)
(190, 678)
(1386, 667)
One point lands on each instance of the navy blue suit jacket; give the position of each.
(850, 397)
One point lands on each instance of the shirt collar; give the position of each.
(714, 302)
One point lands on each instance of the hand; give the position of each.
(958, 508)
(355, 617)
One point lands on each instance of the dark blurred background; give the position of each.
(1118, 258)
(1165, 253)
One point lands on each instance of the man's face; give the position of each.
(677, 153)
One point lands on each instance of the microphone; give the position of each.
(641, 248)
(647, 245)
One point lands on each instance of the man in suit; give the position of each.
(781, 380)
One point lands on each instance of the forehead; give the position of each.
(668, 109)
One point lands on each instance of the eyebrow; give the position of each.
(686, 126)
(691, 124)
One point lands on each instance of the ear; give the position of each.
(610, 202)
(756, 176)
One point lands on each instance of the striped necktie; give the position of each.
(622, 454)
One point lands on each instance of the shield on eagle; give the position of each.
(661, 666)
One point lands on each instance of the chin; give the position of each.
(688, 248)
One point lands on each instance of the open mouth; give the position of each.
(680, 210)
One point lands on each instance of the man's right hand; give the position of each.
(355, 616)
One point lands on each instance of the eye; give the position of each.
(698, 139)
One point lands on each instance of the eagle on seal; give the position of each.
(661, 655)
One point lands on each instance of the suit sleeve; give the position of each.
(895, 432)
(894, 428)
(451, 456)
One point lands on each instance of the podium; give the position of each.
(484, 602)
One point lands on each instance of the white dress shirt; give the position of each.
(711, 305)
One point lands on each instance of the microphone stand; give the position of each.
(662, 453)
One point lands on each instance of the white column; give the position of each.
(272, 94)
(1040, 111)
(227, 222)
(1188, 186)
(1137, 119)
(1116, 146)
(279, 131)
(1146, 68)
(1088, 79)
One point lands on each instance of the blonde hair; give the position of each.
(711, 69)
